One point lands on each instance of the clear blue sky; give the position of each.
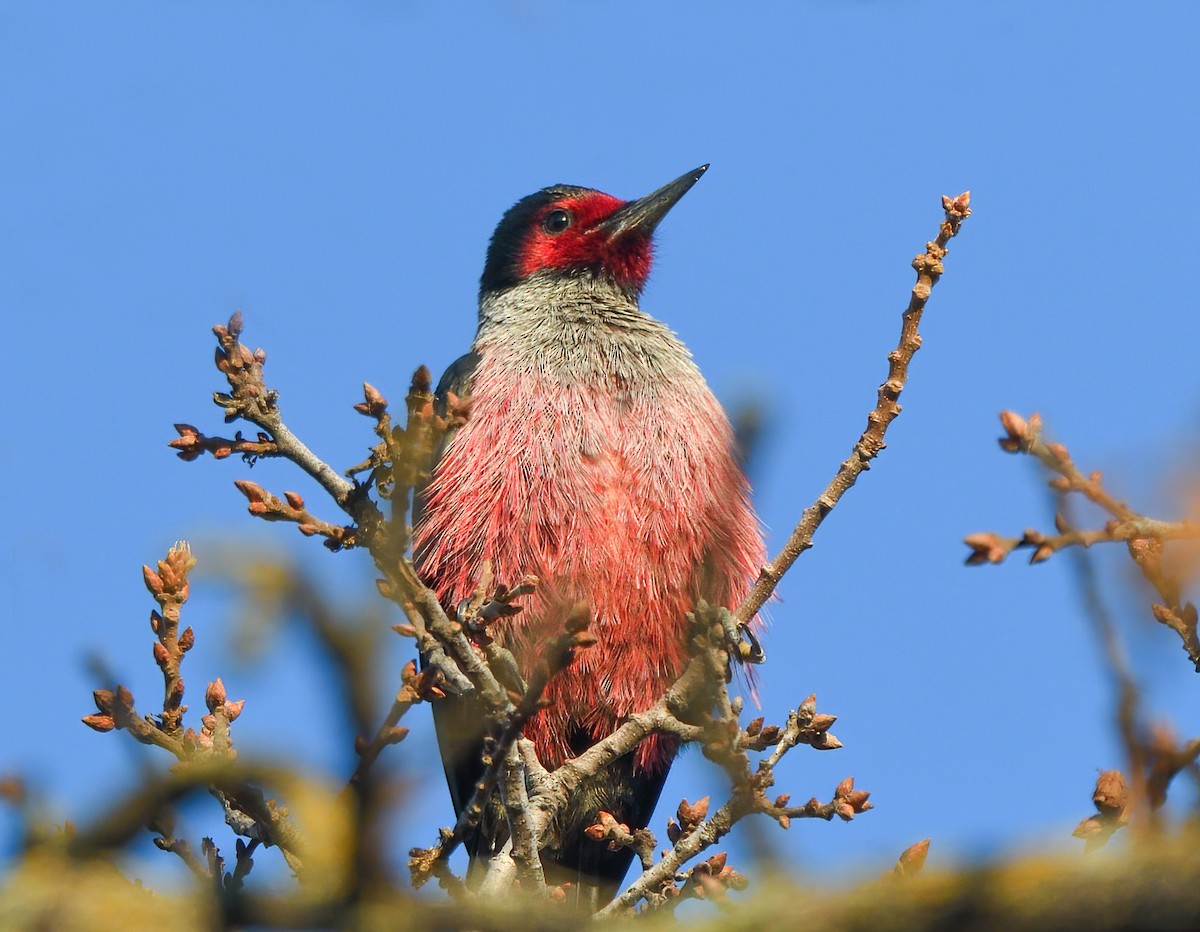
(335, 171)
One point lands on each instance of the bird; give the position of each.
(596, 458)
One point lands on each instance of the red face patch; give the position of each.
(564, 235)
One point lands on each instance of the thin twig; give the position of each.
(1145, 538)
(887, 408)
(251, 400)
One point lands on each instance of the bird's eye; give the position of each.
(556, 221)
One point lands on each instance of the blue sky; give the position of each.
(335, 172)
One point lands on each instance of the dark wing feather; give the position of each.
(457, 719)
(595, 872)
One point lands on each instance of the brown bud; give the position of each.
(1111, 795)
(913, 859)
(684, 815)
(245, 355)
(755, 726)
(579, 618)
(1088, 827)
(252, 490)
(294, 499)
(376, 404)
(422, 379)
(987, 548)
(808, 707)
(234, 709)
(214, 696)
(187, 640)
(526, 586)
(822, 722)
(153, 581)
(1043, 553)
(104, 699)
(858, 799)
(395, 734)
(1014, 425)
(844, 811)
(99, 722)
(844, 789)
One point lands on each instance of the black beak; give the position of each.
(644, 214)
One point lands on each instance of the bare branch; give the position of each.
(559, 654)
(251, 400)
(887, 408)
(1145, 538)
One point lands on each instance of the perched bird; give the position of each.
(596, 458)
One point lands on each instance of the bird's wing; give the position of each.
(595, 872)
(459, 720)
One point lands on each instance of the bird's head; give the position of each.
(568, 230)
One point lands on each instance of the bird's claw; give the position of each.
(741, 641)
(750, 650)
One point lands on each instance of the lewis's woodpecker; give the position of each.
(596, 458)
